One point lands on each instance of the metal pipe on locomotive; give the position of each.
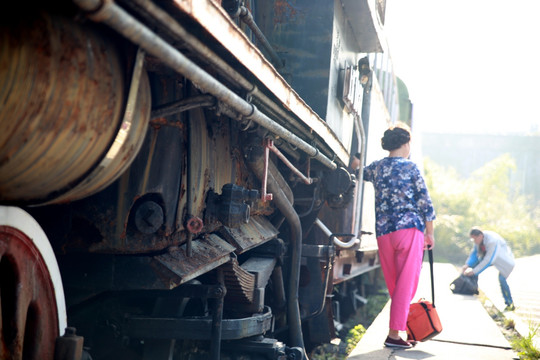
(167, 190)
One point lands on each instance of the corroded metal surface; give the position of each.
(127, 142)
(29, 323)
(216, 21)
(208, 253)
(210, 148)
(247, 236)
(61, 96)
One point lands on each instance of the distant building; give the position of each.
(469, 152)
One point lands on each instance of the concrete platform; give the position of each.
(525, 292)
(468, 331)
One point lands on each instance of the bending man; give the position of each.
(491, 249)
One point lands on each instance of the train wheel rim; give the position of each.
(32, 305)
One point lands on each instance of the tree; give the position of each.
(487, 199)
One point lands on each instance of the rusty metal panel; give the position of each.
(29, 323)
(216, 21)
(61, 96)
(303, 34)
(211, 161)
(127, 142)
(258, 231)
(208, 253)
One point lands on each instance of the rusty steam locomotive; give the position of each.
(175, 176)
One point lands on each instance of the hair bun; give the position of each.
(395, 137)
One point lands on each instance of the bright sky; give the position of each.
(471, 66)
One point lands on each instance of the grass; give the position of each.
(522, 345)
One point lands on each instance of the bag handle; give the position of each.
(430, 254)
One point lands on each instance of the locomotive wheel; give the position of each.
(32, 306)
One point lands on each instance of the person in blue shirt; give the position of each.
(491, 249)
(403, 213)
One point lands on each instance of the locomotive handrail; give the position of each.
(346, 245)
(305, 179)
(118, 19)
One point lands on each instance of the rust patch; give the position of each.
(207, 253)
(26, 289)
(247, 236)
(285, 12)
(157, 123)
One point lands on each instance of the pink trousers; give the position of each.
(401, 253)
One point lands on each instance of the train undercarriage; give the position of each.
(165, 194)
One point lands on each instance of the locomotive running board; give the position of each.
(248, 236)
(208, 253)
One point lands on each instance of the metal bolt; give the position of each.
(149, 217)
(194, 225)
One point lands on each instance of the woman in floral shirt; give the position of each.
(403, 211)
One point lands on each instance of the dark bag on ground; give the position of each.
(423, 322)
(466, 285)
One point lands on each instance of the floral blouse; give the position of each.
(401, 197)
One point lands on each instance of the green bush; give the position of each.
(354, 336)
(489, 199)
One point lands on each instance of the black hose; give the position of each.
(256, 163)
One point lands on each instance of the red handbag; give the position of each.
(423, 322)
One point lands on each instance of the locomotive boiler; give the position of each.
(176, 178)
